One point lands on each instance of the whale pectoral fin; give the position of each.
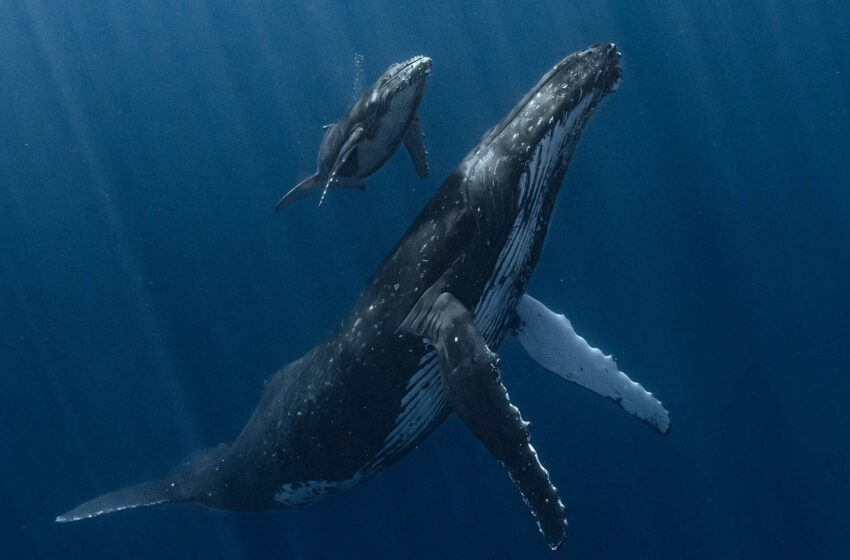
(297, 192)
(550, 339)
(344, 154)
(470, 373)
(139, 495)
(414, 141)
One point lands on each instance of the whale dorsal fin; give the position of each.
(470, 374)
(414, 141)
(550, 339)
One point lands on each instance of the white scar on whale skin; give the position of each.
(303, 494)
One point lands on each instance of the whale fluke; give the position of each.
(138, 495)
(300, 190)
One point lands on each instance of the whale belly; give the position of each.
(423, 406)
(388, 134)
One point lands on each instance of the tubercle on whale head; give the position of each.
(542, 129)
(401, 75)
(579, 81)
(413, 67)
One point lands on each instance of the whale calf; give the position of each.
(420, 343)
(381, 119)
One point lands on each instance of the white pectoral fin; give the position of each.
(550, 339)
(344, 153)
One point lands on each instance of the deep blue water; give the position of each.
(147, 289)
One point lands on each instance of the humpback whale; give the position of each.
(420, 343)
(381, 119)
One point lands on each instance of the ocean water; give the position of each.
(147, 288)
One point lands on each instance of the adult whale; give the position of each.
(418, 344)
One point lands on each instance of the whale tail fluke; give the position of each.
(314, 183)
(138, 495)
(299, 191)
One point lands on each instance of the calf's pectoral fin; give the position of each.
(344, 153)
(550, 339)
(414, 141)
(470, 373)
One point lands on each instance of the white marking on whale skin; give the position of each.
(422, 403)
(63, 519)
(552, 488)
(501, 292)
(303, 494)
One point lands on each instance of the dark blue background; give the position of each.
(147, 289)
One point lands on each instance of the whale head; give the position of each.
(406, 77)
(519, 164)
